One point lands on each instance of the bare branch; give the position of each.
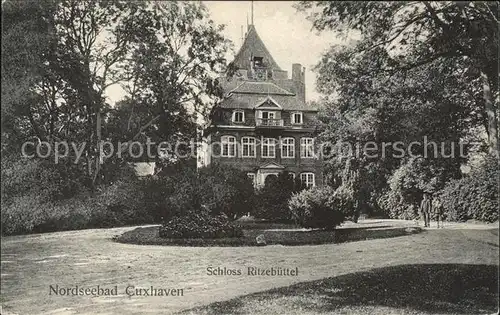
(435, 17)
(399, 32)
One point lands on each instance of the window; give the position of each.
(267, 115)
(291, 176)
(268, 148)
(258, 62)
(297, 118)
(307, 148)
(228, 146)
(307, 179)
(268, 119)
(238, 117)
(248, 147)
(288, 148)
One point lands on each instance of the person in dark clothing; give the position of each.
(437, 209)
(425, 209)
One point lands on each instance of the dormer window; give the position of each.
(239, 116)
(267, 115)
(297, 118)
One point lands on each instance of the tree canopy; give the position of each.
(419, 69)
(399, 37)
(62, 57)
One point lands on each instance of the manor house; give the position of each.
(263, 125)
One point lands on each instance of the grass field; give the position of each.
(420, 288)
(403, 289)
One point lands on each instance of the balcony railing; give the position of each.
(262, 122)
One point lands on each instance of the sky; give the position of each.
(286, 33)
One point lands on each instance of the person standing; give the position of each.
(425, 209)
(437, 208)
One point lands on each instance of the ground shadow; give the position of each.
(367, 233)
(316, 237)
(427, 288)
(266, 225)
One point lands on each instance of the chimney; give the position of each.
(298, 78)
(296, 72)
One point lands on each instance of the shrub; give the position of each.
(475, 196)
(416, 176)
(17, 219)
(273, 198)
(226, 190)
(346, 202)
(395, 207)
(199, 224)
(31, 192)
(315, 208)
(29, 214)
(219, 189)
(39, 178)
(70, 214)
(36, 202)
(123, 203)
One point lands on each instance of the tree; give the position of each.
(432, 101)
(26, 35)
(165, 54)
(173, 65)
(418, 33)
(404, 79)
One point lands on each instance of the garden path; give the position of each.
(89, 258)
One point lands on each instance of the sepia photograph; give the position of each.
(250, 157)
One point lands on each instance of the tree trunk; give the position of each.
(492, 119)
(98, 148)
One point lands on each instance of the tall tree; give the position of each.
(418, 33)
(175, 60)
(26, 37)
(388, 88)
(167, 52)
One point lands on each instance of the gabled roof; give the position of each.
(271, 165)
(269, 102)
(260, 87)
(249, 101)
(253, 46)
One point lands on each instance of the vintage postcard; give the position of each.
(249, 157)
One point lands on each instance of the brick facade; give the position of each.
(260, 103)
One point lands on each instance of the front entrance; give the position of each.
(270, 178)
(268, 172)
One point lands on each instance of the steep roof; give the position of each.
(250, 101)
(259, 87)
(243, 93)
(253, 46)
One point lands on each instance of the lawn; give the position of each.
(422, 287)
(328, 281)
(274, 234)
(403, 289)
